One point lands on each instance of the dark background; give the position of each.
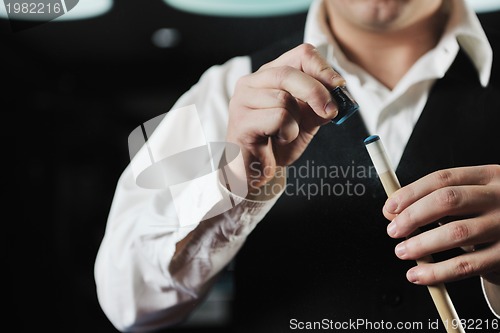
(71, 94)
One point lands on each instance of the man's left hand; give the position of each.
(464, 203)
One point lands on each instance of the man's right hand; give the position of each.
(276, 111)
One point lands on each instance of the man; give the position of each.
(421, 73)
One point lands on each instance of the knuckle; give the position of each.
(306, 50)
(282, 74)
(459, 233)
(464, 269)
(448, 197)
(444, 177)
(309, 54)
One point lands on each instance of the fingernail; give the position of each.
(331, 110)
(401, 250)
(391, 229)
(338, 81)
(412, 275)
(391, 206)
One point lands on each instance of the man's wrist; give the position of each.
(271, 189)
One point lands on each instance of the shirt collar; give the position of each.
(463, 28)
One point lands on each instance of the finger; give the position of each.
(269, 99)
(300, 86)
(261, 124)
(448, 201)
(480, 262)
(307, 59)
(476, 175)
(264, 170)
(309, 121)
(480, 230)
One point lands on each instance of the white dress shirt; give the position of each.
(137, 286)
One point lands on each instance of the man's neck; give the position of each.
(387, 55)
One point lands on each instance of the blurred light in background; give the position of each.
(84, 9)
(277, 7)
(244, 8)
(87, 9)
(484, 6)
(166, 38)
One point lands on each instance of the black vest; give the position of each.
(322, 252)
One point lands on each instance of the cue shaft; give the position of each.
(391, 184)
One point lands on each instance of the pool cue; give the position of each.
(391, 184)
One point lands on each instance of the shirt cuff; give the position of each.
(250, 210)
(217, 239)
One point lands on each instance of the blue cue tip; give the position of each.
(371, 138)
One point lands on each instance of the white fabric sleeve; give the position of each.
(139, 285)
(492, 296)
